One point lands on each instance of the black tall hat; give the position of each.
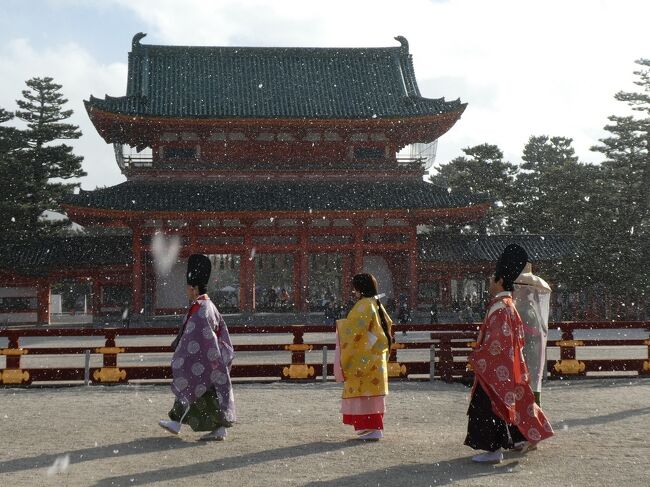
(511, 263)
(199, 268)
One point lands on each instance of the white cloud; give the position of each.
(525, 68)
(80, 74)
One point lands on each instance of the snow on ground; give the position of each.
(290, 434)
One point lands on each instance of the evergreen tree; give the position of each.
(13, 204)
(554, 197)
(619, 230)
(553, 188)
(46, 165)
(482, 170)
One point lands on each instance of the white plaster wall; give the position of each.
(17, 292)
(56, 304)
(18, 318)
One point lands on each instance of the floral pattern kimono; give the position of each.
(361, 363)
(501, 374)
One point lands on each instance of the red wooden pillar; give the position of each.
(357, 264)
(346, 278)
(192, 237)
(303, 255)
(413, 269)
(297, 297)
(358, 261)
(137, 299)
(413, 279)
(43, 302)
(96, 298)
(445, 290)
(243, 281)
(247, 277)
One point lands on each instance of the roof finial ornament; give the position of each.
(135, 43)
(402, 40)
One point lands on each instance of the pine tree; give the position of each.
(13, 204)
(482, 170)
(45, 165)
(554, 191)
(619, 230)
(553, 188)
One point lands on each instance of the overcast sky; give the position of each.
(525, 67)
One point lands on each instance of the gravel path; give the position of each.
(290, 434)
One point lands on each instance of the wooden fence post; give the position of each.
(298, 369)
(13, 374)
(109, 373)
(645, 370)
(446, 360)
(568, 365)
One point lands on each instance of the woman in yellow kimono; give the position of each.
(361, 361)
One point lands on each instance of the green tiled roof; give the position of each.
(488, 248)
(40, 256)
(246, 82)
(227, 196)
(81, 251)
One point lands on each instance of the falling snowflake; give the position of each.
(60, 465)
(165, 252)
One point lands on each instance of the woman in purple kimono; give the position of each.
(201, 363)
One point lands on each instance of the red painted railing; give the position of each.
(450, 343)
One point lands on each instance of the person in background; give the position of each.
(330, 313)
(350, 304)
(272, 297)
(363, 341)
(532, 297)
(433, 311)
(203, 356)
(467, 314)
(284, 299)
(502, 410)
(404, 312)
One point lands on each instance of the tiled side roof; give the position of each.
(488, 248)
(227, 196)
(36, 256)
(245, 82)
(83, 251)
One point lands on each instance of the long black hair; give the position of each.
(366, 285)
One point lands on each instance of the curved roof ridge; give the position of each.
(403, 47)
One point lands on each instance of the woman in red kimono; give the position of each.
(502, 412)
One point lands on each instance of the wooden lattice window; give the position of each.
(368, 153)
